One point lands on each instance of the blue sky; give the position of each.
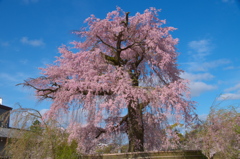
(209, 47)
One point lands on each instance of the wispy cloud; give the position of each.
(24, 61)
(10, 78)
(4, 43)
(229, 96)
(199, 76)
(35, 42)
(227, 1)
(30, 1)
(200, 49)
(234, 88)
(231, 67)
(205, 66)
(232, 93)
(200, 46)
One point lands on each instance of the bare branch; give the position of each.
(46, 93)
(139, 61)
(126, 23)
(129, 46)
(105, 42)
(101, 130)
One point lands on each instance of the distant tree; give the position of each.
(125, 79)
(218, 135)
(36, 126)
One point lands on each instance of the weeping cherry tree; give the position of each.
(124, 78)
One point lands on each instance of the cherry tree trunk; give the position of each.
(135, 129)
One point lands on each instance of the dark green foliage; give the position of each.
(36, 127)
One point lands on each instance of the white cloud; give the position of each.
(35, 42)
(203, 117)
(196, 85)
(43, 111)
(200, 76)
(196, 88)
(229, 96)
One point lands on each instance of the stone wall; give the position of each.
(189, 154)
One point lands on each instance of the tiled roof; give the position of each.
(5, 107)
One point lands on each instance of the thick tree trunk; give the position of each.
(135, 121)
(135, 129)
